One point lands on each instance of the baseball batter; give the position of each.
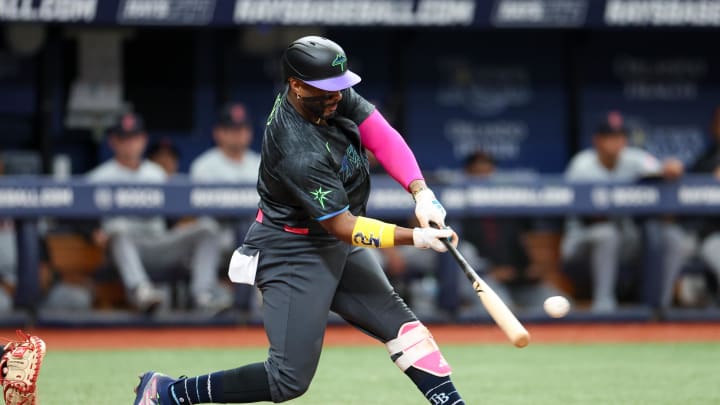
(308, 248)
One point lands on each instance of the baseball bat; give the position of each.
(495, 306)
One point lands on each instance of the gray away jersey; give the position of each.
(632, 164)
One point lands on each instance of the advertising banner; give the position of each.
(371, 13)
(665, 88)
(497, 94)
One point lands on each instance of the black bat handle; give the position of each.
(464, 265)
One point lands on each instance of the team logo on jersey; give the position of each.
(439, 399)
(340, 60)
(351, 161)
(320, 196)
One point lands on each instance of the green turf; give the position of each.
(484, 374)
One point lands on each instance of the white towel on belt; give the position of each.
(242, 268)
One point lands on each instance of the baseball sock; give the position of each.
(240, 385)
(196, 390)
(437, 390)
(246, 384)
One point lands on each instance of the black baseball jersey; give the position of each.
(311, 172)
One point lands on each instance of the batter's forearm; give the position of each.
(373, 233)
(403, 236)
(367, 232)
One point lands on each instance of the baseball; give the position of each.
(557, 306)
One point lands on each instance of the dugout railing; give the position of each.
(29, 200)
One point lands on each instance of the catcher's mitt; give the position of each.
(19, 368)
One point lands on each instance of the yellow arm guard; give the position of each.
(371, 233)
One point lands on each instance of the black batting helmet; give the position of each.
(318, 62)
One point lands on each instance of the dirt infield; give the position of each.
(119, 338)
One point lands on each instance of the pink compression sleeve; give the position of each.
(390, 149)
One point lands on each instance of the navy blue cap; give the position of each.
(233, 115)
(612, 125)
(127, 124)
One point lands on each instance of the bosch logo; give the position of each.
(600, 197)
(103, 198)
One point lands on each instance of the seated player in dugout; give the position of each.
(141, 248)
(231, 159)
(597, 245)
(308, 250)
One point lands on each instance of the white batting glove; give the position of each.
(425, 238)
(428, 208)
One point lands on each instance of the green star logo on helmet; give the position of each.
(340, 60)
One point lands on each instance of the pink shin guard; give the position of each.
(418, 349)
